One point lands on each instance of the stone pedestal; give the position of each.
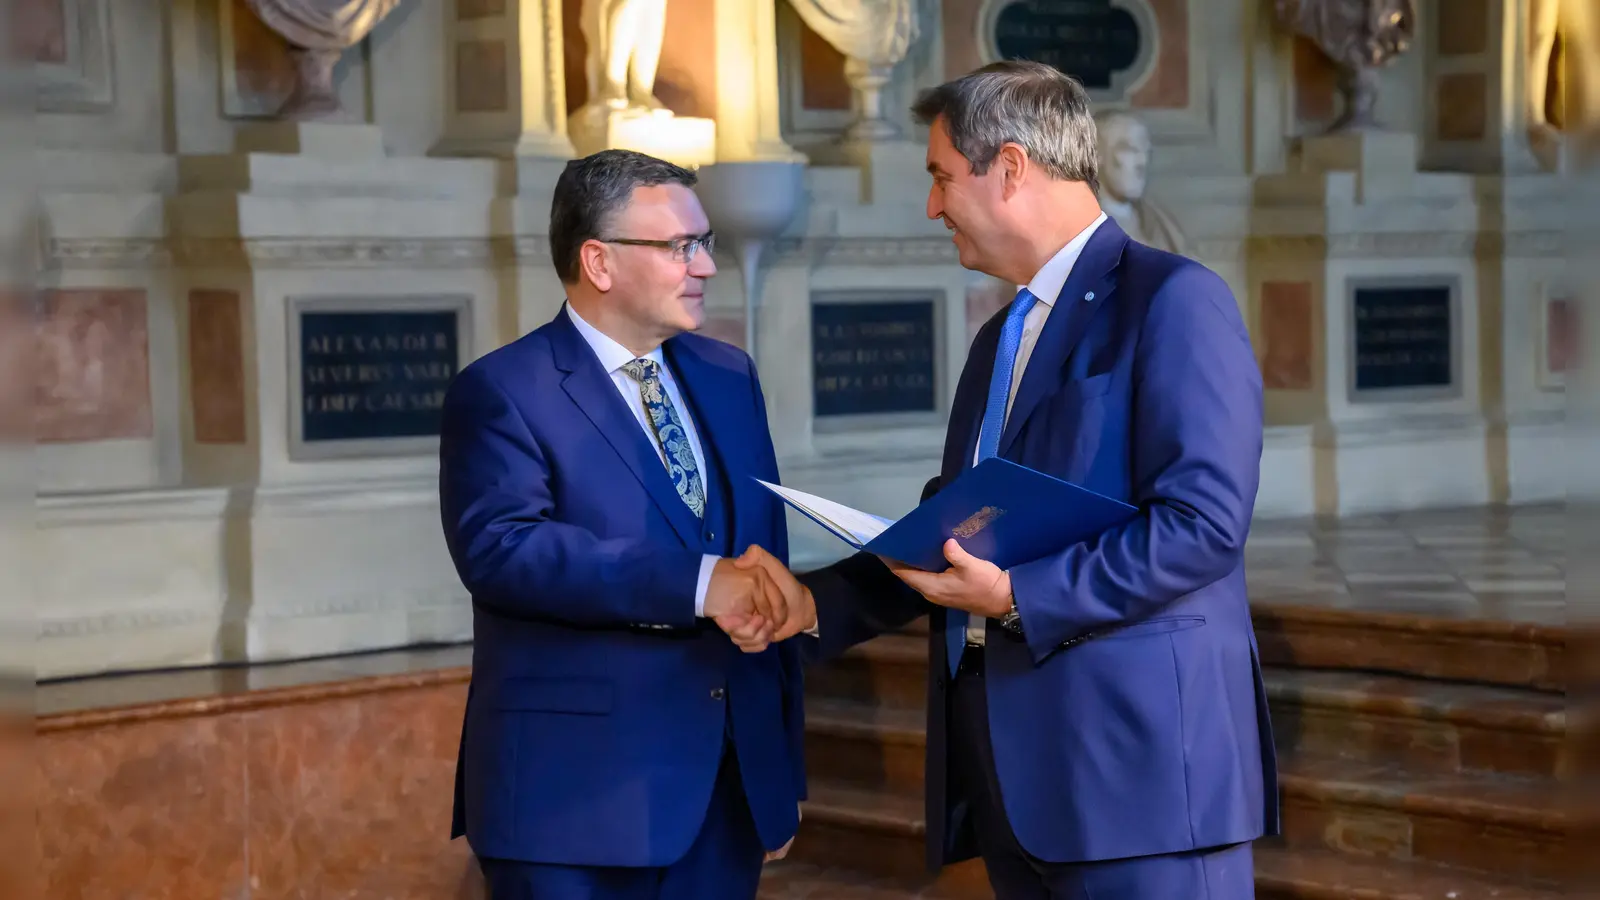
(1364, 281)
(684, 140)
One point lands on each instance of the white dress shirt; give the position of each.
(1046, 285)
(613, 356)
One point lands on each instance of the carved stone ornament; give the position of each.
(318, 32)
(874, 36)
(1360, 37)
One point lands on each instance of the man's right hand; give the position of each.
(802, 606)
(747, 603)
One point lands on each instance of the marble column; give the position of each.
(507, 93)
(748, 125)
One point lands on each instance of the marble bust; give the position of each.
(1360, 37)
(1124, 161)
(624, 48)
(318, 31)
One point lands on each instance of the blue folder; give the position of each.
(999, 511)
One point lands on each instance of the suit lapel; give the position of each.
(592, 390)
(708, 389)
(1087, 289)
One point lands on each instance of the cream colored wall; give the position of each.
(164, 550)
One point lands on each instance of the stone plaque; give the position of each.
(1404, 337)
(1091, 40)
(874, 356)
(370, 376)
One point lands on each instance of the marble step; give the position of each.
(1426, 726)
(889, 671)
(1476, 650)
(1508, 826)
(865, 713)
(860, 844)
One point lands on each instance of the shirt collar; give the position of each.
(1047, 284)
(612, 355)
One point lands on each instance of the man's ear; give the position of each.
(595, 261)
(1014, 164)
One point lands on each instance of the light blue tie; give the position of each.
(994, 424)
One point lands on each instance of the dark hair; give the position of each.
(592, 190)
(1038, 107)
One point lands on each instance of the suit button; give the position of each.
(711, 535)
(717, 693)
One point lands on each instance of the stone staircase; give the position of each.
(1419, 760)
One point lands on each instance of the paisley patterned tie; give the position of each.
(685, 472)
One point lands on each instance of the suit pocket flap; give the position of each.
(1156, 626)
(1084, 388)
(583, 696)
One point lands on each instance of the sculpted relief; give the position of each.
(1124, 163)
(1563, 85)
(624, 40)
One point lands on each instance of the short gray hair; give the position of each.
(1038, 107)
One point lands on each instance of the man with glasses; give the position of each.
(597, 480)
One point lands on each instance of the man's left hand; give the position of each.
(975, 585)
(783, 851)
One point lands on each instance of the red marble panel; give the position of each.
(984, 300)
(40, 30)
(482, 77)
(216, 367)
(263, 73)
(1316, 82)
(158, 807)
(961, 51)
(687, 80)
(1461, 106)
(1562, 335)
(351, 797)
(467, 10)
(574, 49)
(1168, 86)
(1465, 32)
(728, 328)
(1286, 342)
(93, 361)
(822, 82)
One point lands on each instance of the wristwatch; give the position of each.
(1012, 620)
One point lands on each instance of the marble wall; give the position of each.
(185, 231)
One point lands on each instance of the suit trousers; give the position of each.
(723, 863)
(1220, 873)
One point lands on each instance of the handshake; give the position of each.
(757, 601)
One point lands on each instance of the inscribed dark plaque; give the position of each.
(1403, 337)
(872, 357)
(1087, 39)
(379, 374)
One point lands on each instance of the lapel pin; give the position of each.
(1089, 296)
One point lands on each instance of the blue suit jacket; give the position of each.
(599, 704)
(1131, 719)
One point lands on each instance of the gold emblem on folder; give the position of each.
(978, 521)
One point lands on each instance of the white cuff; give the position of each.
(707, 563)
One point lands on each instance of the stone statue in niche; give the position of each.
(624, 40)
(1563, 84)
(318, 32)
(1360, 37)
(1124, 162)
(873, 36)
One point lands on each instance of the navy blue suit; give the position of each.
(607, 726)
(1130, 719)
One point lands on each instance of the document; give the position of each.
(998, 511)
(852, 526)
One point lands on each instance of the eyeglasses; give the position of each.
(683, 249)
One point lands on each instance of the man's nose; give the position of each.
(702, 266)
